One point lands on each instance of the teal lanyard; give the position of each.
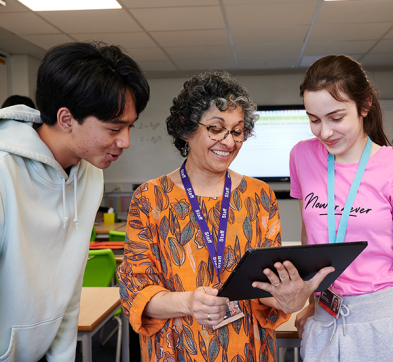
(342, 228)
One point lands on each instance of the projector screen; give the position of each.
(266, 154)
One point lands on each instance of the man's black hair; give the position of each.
(17, 99)
(90, 79)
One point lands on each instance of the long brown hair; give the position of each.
(344, 77)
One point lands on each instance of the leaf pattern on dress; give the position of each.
(273, 210)
(137, 247)
(231, 217)
(135, 224)
(237, 358)
(262, 333)
(167, 184)
(143, 205)
(188, 340)
(242, 186)
(202, 347)
(178, 283)
(236, 325)
(247, 319)
(229, 261)
(265, 201)
(270, 343)
(272, 316)
(151, 273)
(237, 250)
(210, 270)
(247, 229)
(214, 348)
(150, 347)
(251, 208)
(181, 209)
(223, 334)
(214, 215)
(141, 189)
(137, 257)
(162, 199)
(178, 253)
(236, 201)
(157, 345)
(148, 233)
(174, 225)
(133, 210)
(199, 239)
(164, 228)
(277, 240)
(187, 234)
(203, 278)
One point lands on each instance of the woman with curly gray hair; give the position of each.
(187, 231)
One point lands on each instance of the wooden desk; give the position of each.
(119, 259)
(97, 306)
(105, 228)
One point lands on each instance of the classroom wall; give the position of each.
(3, 83)
(18, 76)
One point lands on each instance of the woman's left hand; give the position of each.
(288, 288)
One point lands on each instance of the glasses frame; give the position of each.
(227, 132)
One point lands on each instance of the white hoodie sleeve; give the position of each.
(2, 221)
(63, 348)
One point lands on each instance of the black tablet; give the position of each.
(308, 259)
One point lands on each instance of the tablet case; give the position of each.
(307, 259)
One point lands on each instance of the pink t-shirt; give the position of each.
(371, 217)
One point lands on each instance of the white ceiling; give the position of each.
(180, 36)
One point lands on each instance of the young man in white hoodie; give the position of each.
(51, 185)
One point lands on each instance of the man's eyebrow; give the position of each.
(121, 121)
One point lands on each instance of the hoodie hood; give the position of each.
(18, 136)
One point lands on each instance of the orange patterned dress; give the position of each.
(165, 251)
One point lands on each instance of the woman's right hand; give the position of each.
(302, 316)
(205, 304)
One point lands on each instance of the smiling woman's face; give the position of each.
(336, 124)
(210, 155)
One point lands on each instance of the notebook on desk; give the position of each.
(308, 260)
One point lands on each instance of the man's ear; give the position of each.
(64, 119)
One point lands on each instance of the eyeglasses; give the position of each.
(217, 133)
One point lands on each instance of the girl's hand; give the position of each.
(302, 317)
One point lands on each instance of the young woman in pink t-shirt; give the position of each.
(344, 114)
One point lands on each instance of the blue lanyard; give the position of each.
(342, 228)
(216, 257)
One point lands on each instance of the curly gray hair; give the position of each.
(199, 94)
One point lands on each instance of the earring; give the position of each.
(185, 150)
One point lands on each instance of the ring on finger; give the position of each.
(277, 285)
(208, 317)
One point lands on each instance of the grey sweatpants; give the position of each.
(364, 334)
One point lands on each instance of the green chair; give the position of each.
(93, 234)
(99, 272)
(117, 235)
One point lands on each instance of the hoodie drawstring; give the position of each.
(334, 322)
(75, 205)
(65, 218)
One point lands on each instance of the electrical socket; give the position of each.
(119, 187)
